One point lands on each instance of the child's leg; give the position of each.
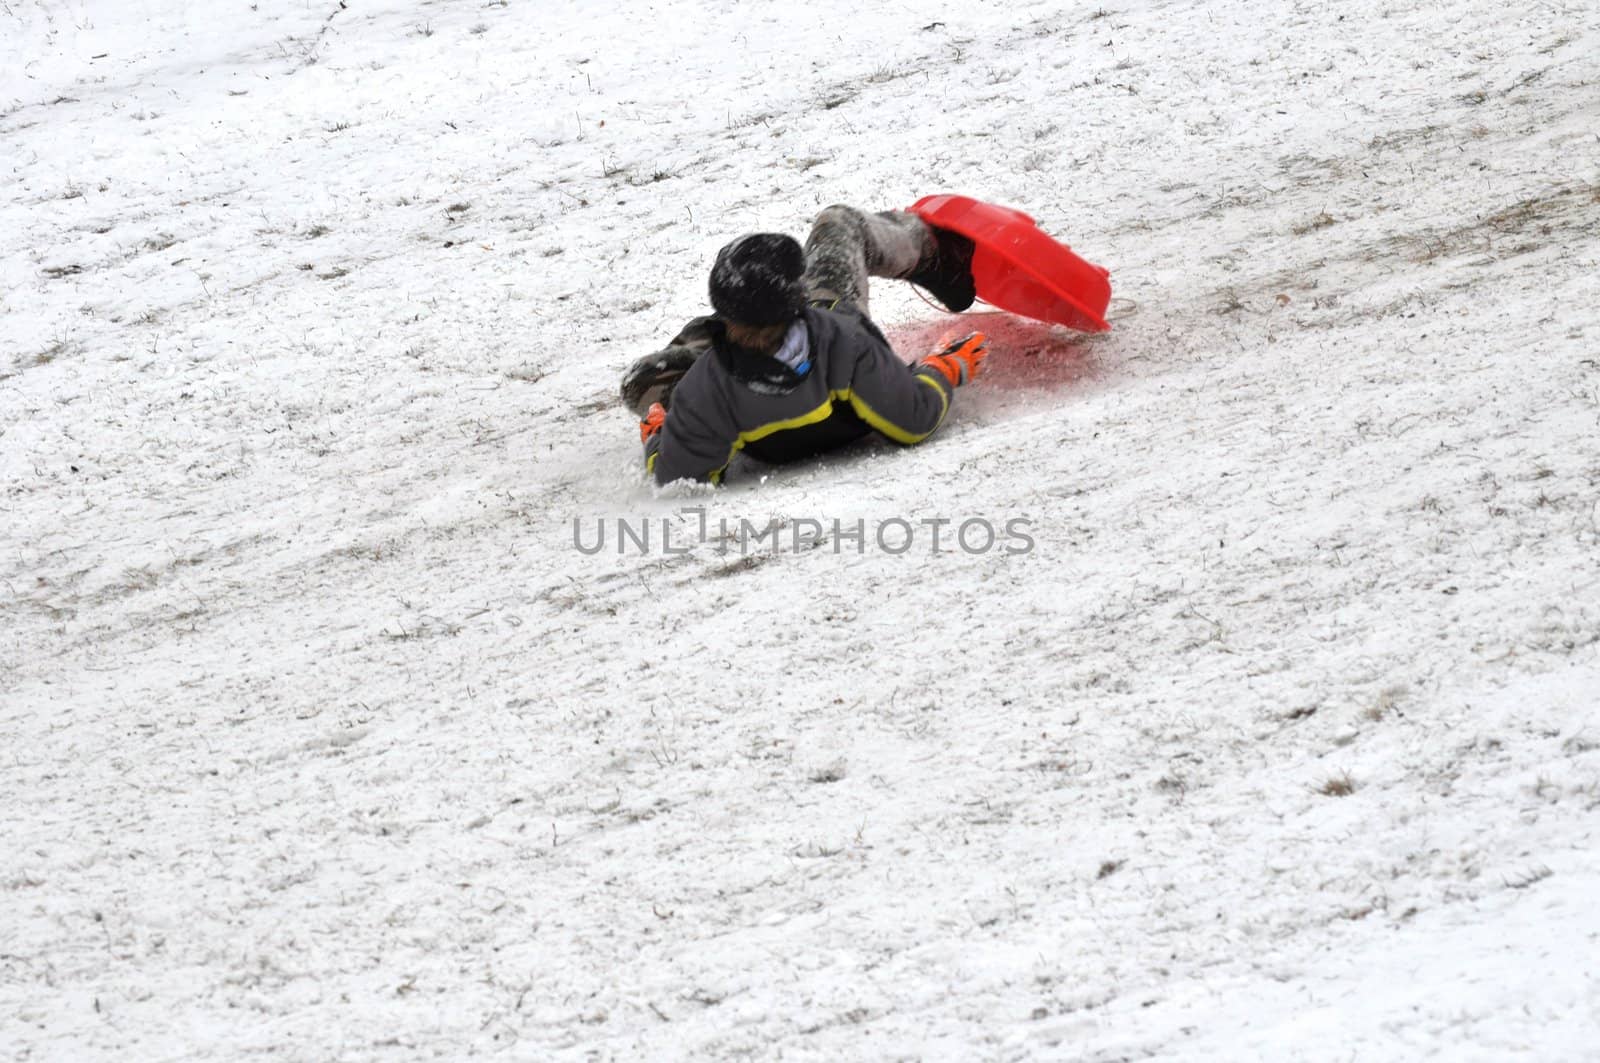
(847, 245)
(653, 377)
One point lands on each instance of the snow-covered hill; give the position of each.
(322, 739)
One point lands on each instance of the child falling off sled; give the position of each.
(790, 365)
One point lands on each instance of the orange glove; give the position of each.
(959, 362)
(653, 420)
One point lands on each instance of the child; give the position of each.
(790, 365)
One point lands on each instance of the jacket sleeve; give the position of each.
(902, 402)
(690, 445)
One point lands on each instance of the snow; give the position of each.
(321, 738)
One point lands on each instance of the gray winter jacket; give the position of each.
(832, 384)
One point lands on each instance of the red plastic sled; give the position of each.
(1017, 267)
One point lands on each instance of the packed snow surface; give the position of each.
(1274, 734)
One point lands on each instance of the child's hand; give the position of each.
(653, 420)
(960, 362)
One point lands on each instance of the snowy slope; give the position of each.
(322, 740)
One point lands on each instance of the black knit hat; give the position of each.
(756, 280)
